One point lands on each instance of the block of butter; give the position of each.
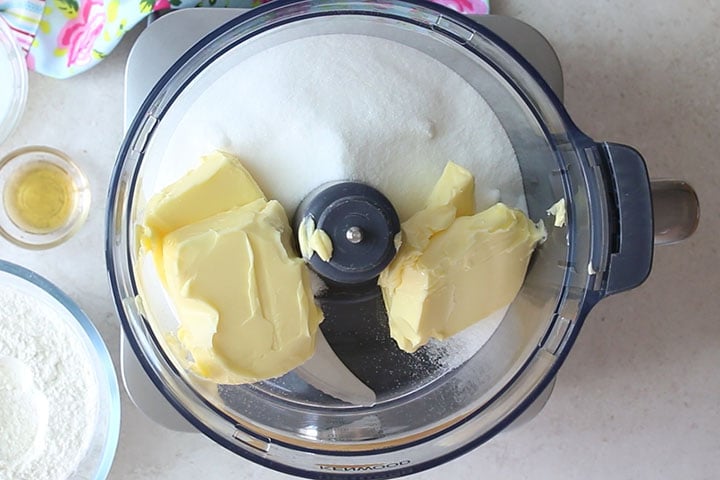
(244, 302)
(219, 183)
(454, 267)
(224, 254)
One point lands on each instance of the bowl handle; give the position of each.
(645, 213)
(631, 219)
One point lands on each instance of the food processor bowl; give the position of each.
(426, 412)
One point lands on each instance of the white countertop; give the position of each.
(639, 396)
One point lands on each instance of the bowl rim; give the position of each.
(19, 81)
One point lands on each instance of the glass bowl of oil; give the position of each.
(45, 197)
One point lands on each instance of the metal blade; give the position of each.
(326, 372)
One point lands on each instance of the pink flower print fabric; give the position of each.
(477, 7)
(78, 36)
(63, 38)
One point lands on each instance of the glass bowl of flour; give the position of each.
(59, 398)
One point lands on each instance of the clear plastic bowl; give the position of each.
(101, 450)
(14, 93)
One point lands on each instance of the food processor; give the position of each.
(319, 421)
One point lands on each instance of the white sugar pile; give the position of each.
(336, 107)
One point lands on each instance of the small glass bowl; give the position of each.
(24, 160)
(14, 95)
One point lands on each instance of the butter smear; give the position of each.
(314, 240)
(559, 211)
(455, 267)
(224, 253)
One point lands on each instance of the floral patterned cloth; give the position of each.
(62, 38)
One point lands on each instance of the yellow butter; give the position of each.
(321, 243)
(224, 253)
(452, 271)
(219, 183)
(245, 304)
(314, 240)
(305, 231)
(559, 211)
(456, 187)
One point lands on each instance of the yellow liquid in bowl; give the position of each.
(39, 198)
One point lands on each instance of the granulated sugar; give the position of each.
(458, 349)
(338, 107)
(48, 392)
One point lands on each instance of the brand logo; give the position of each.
(363, 468)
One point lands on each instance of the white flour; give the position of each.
(48, 392)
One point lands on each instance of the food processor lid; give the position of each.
(13, 73)
(439, 408)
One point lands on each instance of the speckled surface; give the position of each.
(639, 396)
